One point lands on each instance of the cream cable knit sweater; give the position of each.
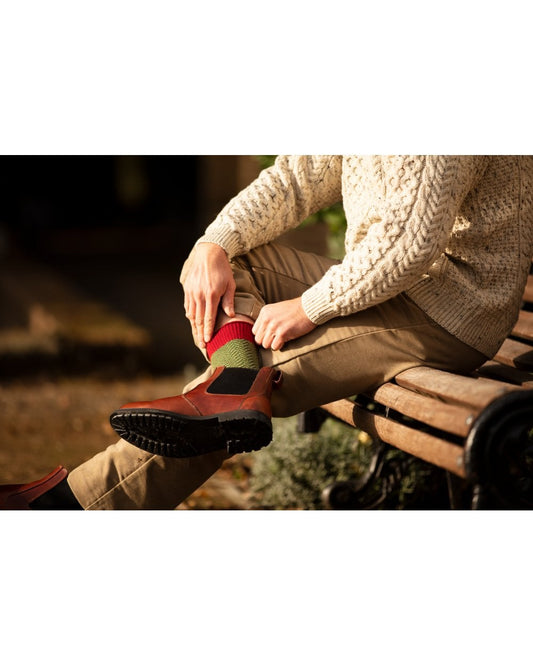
(455, 233)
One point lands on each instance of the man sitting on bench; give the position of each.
(437, 253)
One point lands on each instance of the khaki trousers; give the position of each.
(345, 356)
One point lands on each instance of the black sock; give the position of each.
(58, 497)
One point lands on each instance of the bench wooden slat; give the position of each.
(450, 418)
(422, 445)
(515, 354)
(506, 373)
(524, 326)
(473, 392)
(446, 408)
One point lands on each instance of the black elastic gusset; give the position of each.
(58, 497)
(235, 381)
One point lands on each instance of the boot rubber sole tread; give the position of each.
(179, 436)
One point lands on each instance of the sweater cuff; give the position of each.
(317, 305)
(226, 238)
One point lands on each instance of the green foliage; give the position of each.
(335, 220)
(422, 486)
(293, 471)
(265, 161)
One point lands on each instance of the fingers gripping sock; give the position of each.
(233, 346)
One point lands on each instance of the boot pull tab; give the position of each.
(277, 379)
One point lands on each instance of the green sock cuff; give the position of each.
(237, 353)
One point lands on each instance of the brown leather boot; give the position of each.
(231, 410)
(20, 495)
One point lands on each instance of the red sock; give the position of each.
(233, 345)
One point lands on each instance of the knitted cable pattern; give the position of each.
(453, 232)
(404, 232)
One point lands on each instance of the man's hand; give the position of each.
(207, 282)
(280, 322)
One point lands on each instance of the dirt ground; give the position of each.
(47, 422)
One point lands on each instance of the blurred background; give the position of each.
(91, 310)
(91, 249)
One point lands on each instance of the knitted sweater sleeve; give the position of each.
(279, 199)
(405, 231)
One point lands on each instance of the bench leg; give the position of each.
(378, 487)
(312, 420)
(370, 490)
(459, 492)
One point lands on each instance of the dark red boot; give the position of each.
(231, 410)
(20, 495)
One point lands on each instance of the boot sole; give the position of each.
(179, 436)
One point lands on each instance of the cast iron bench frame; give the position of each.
(478, 428)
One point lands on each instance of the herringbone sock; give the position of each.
(233, 346)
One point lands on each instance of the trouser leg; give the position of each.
(347, 355)
(344, 357)
(125, 477)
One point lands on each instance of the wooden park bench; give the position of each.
(478, 428)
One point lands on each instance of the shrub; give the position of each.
(293, 471)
